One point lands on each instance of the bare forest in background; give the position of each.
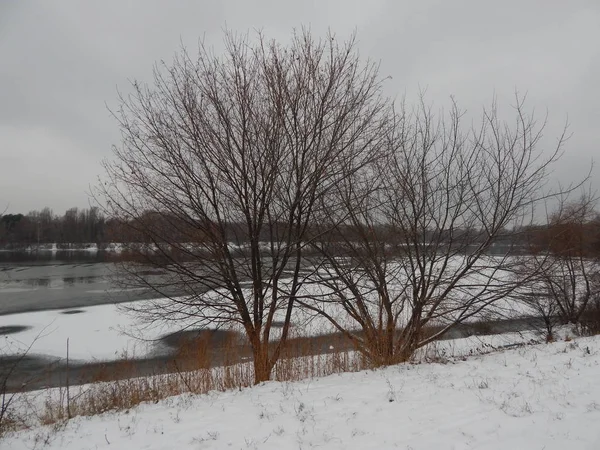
(44, 227)
(81, 225)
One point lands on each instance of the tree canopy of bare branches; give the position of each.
(225, 161)
(425, 221)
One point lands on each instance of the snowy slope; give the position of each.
(535, 397)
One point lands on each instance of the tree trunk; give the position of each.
(262, 365)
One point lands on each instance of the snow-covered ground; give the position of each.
(534, 397)
(95, 333)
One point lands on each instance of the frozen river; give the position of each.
(58, 284)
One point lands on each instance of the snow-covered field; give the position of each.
(96, 333)
(534, 397)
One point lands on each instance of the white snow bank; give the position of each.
(544, 396)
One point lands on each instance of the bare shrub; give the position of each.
(590, 319)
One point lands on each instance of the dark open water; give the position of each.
(56, 280)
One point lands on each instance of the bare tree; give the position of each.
(566, 263)
(223, 163)
(2, 225)
(422, 242)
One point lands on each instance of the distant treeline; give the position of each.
(75, 226)
(78, 226)
(565, 238)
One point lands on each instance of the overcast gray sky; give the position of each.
(62, 61)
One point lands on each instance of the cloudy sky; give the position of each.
(61, 63)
